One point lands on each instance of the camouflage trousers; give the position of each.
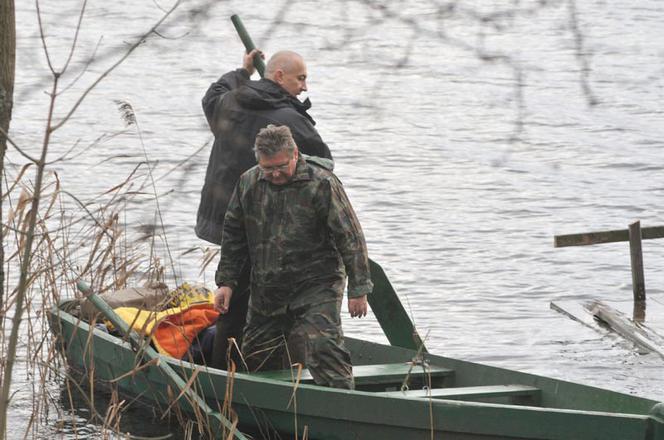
(308, 333)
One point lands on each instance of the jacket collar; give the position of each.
(275, 96)
(301, 170)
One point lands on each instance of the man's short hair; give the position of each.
(274, 139)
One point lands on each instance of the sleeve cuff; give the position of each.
(221, 281)
(358, 291)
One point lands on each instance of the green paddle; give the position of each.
(390, 313)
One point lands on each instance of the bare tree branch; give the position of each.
(108, 71)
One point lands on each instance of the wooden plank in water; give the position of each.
(648, 316)
(647, 334)
(614, 236)
(625, 327)
(575, 311)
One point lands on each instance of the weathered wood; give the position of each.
(636, 257)
(590, 238)
(639, 312)
(577, 312)
(624, 327)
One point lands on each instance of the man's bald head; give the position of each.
(284, 60)
(287, 69)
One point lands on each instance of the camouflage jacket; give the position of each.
(300, 232)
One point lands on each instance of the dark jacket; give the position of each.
(236, 109)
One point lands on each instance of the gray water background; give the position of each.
(461, 169)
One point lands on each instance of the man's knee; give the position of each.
(263, 346)
(329, 362)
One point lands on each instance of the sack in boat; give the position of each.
(154, 297)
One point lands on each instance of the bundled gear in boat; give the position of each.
(173, 329)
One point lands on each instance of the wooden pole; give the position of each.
(636, 254)
(249, 45)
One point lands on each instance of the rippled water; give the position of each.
(461, 169)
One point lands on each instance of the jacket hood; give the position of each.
(268, 95)
(322, 162)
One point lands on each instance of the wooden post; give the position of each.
(636, 254)
(634, 234)
(639, 312)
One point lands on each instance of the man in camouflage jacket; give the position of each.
(290, 217)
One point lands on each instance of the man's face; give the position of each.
(293, 79)
(278, 169)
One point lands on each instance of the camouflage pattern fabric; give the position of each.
(308, 334)
(304, 230)
(302, 239)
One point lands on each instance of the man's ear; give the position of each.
(278, 76)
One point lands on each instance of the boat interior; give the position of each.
(420, 380)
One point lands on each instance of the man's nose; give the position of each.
(304, 86)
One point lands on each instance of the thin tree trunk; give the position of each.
(24, 277)
(7, 72)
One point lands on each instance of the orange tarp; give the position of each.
(175, 332)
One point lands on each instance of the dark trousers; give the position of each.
(231, 325)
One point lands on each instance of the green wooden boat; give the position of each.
(402, 393)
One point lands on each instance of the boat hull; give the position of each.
(561, 411)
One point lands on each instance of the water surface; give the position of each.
(466, 138)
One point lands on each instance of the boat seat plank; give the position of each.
(367, 374)
(521, 393)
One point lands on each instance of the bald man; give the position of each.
(236, 108)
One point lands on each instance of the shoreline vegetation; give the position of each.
(52, 239)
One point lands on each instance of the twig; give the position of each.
(108, 71)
